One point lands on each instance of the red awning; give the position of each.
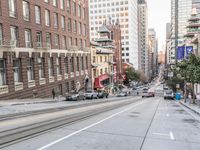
(98, 80)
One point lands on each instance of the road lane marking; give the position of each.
(171, 135)
(85, 128)
(163, 134)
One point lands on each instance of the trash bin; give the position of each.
(178, 96)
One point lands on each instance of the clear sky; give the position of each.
(159, 13)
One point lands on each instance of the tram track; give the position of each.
(14, 135)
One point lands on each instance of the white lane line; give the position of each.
(163, 134)
(171, 135)
(85, 128)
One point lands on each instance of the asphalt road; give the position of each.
(151, 124)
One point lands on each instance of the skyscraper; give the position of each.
(180, 13)
(143, 36)
(124, 11)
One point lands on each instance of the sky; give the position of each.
(159, 13)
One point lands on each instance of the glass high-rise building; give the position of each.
(179, 20)
(124, 11)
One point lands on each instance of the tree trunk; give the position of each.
(193, 97)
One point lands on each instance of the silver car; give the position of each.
(91, 94)
(168, 94)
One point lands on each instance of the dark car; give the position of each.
(103, 94)
(75, 96)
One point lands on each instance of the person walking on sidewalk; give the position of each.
(53, 93)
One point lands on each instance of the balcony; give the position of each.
(59, 77)
(77, 73)
(42, 81)
(72, 74)
(3, 89)
(18, 86)
(31, 83)
(66, 76)
(51, 79)
(82, 72)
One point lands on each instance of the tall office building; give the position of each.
(196, 4)
(180, 13)
(124, 11)
(168, 43)
(153, 57)
(143, 36)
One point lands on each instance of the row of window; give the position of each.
(26, 15)
(97, 59)
(14, 36)
(70, 6)
(52, 69)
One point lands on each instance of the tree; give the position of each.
(131, 75)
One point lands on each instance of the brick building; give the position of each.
(43, 45)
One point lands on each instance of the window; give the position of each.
(54, 2)
(74, 8)
(39, 39)
(83, 13)
(70, 41)
(48, 40)
(79, 11)
(75, 26)
(56, 41)
(17, 70)
(37, 15)
(66, 65)
(28, 43)
(1, 35)
(86, 61)
(2, 72)
(63, 23)
(41, 67)
(70, 24)
(26, 13)
(12, 8)
(76, 42)
(30, 72)
(67, 87)
(77, 63)
(50, 66)
(82, 63)
(13, 35)
(62, 4)
(55, 16)
(47, 18)
(94, 59)
(68, 6)
(79, 28)
(64, 45)
(72, 64)
(58, 66)
(84, 30)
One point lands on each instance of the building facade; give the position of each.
(180, 13)
(153, 52)
(44, 45)
(168, 44)
(143, 37)
(124, 12)
(102, 51)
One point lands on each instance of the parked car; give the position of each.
(103, 94)
(91, 94)
(75, 96)
(168, 94)
(122, 94)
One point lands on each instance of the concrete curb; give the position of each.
(192, 109)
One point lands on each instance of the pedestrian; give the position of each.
(53, 93)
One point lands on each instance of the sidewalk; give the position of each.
(193, 107)
(30, 101)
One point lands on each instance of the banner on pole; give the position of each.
(180, 52)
